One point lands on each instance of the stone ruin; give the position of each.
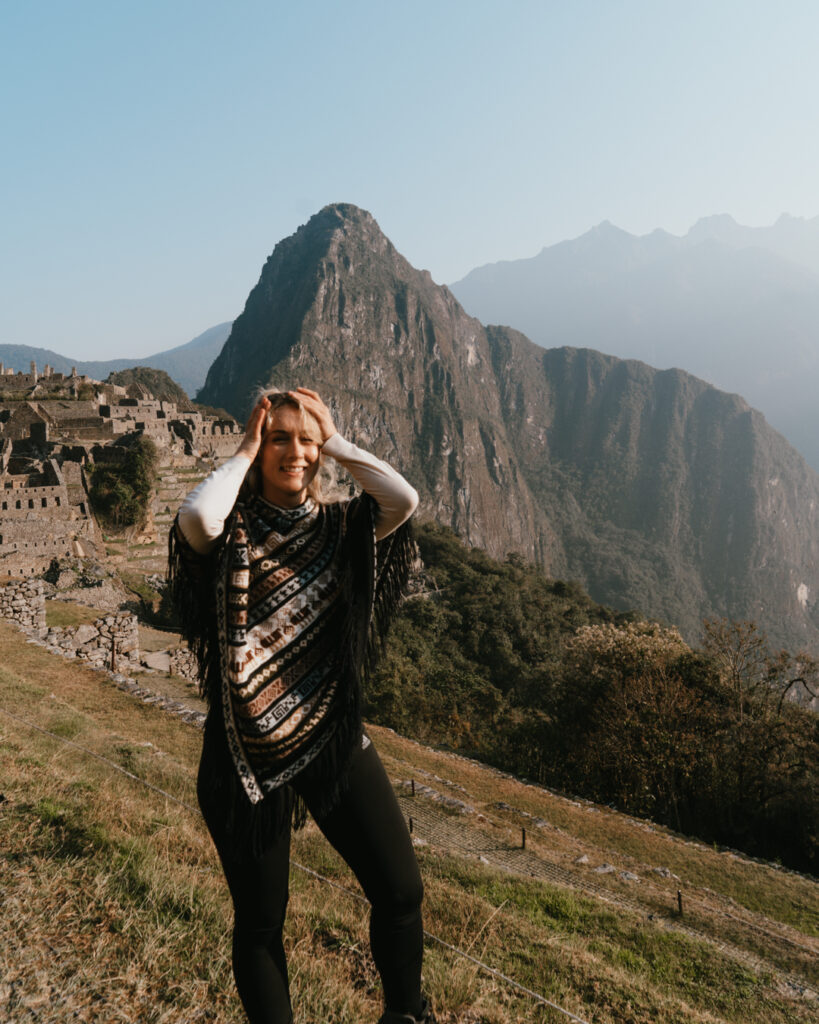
(109, 416)
(178, 661)
(44, 512)
(23, 602)
(53, 427)
(112, 641)
(109, 642)
(48, 382)
(48, 442)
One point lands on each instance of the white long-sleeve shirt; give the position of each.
(203, 513)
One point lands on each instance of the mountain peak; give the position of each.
(340, 232)
(606, 230)
(717, 220)
(324, 275)
(344, 217)
(719, 226)
(347, 213)
(606, 226)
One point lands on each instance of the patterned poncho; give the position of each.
(280, 609)
(284, 616)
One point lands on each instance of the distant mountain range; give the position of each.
(651, 488)
(735, 305)
(187, 364)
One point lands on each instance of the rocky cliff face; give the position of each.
(651, 488)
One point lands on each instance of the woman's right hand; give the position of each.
(253, 431)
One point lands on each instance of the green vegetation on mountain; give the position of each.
(498, 662)
(211, 410)
(122, 487)
(474, 657)
(702, 740)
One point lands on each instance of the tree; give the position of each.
(121, 490)
(751, 669)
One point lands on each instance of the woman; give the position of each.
(282, 598)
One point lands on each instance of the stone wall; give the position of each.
(23, 564)
(114, 637)
(23, 602)
(183, 663)
(221, 446)
(111, 641)
(40, 518)
(19, 500)
(27, 546)
(52, 420)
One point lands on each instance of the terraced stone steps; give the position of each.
(174, 484)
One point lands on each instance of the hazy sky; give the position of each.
(155, 151)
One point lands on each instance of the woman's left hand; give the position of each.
(311, 403)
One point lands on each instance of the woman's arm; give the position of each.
(396, 499)
(202, 514)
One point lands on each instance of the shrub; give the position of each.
(121, 491)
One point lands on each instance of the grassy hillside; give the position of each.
(114, 907)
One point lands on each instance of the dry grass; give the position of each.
(581, 827)
(67, 613)
(152, 639)
(114, 907)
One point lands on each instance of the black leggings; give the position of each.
(368, 829)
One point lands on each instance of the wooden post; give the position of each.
(523, 839)
(410, 825)
(113, 654)
(412, 783)
(679, 901)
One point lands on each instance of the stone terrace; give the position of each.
(52, 427)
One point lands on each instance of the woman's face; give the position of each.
(289, 456)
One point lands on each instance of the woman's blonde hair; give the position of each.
(279, 399)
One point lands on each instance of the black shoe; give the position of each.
(427, 1016)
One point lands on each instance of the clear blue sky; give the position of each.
(153, 153)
